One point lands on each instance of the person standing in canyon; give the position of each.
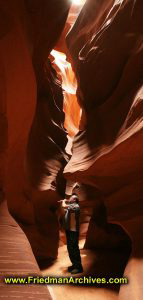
(72, 216)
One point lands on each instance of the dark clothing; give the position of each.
(72, 233)
(73, 248)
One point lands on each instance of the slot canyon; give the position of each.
(71, 121)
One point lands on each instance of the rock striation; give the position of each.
(106, 42)
(32, 100)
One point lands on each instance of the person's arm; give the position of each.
(64, 203)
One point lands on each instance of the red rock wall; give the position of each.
(3, 127)
(106, 43)
(20, 93)
(29, 31)
(17, 259)
(111, 96)
(46, 156)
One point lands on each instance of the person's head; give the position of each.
(74, 199)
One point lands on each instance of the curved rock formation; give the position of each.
(106, 43)
(106, 46)
(46, 156)
(17, 259)
(29, 30)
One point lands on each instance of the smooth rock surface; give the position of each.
(29, 31)
(106, 42)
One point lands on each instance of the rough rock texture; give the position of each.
(28, 32)
(17, 259)
(106, 43)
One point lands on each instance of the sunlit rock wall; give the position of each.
(106, 45)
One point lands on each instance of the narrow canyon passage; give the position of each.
(71, 121)
(102, 262)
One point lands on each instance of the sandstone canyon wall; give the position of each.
(106, 46)
(106, 42)
(30, 95)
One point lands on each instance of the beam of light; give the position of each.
(78, 2)
(69, 85)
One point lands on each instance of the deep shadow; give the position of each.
(45, 263)
(108, 264)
